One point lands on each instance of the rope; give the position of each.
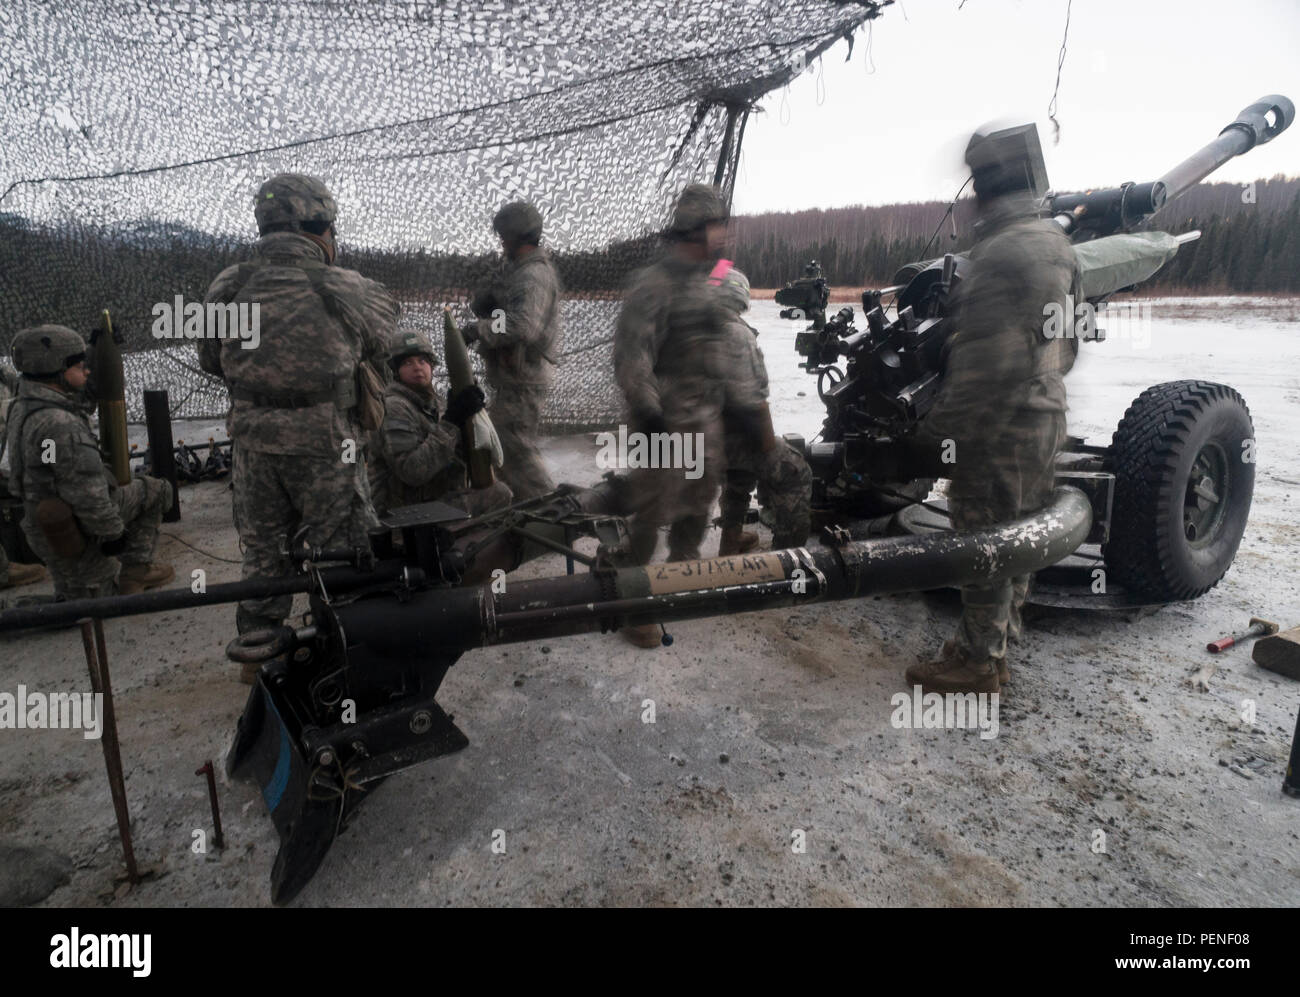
(199, 550)
(951, 204)
(1060, 61)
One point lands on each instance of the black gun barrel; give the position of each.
(1261, 122)
(1118, 209)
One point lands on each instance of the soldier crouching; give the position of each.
(96, 536)
(416, 456)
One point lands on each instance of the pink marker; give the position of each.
(720, 272)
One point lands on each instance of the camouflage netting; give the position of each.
(136, 133)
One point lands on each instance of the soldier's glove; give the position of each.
(113, 547)
(469, 333)
(465, 403)
(483, 304)
(651, 423)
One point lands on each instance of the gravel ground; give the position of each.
(1111, 780)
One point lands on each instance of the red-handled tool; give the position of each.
(1258, 628)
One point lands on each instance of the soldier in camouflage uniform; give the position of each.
(92, 522)
(415, 455)
(781, 474)
(12, 573)
(1002, 402)
(296, 399)
(518, 334)
(670, 358)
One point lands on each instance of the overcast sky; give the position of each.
(1145, 83)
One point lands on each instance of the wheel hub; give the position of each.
(1205, 501)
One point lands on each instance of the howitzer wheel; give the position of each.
(1183, 460)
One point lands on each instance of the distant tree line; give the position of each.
(1250, 243)
(1250, 239)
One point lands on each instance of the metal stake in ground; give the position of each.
(92, 638)
(1291, 781)
(206, 769)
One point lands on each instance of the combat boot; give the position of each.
(952, 671)
(736, 540)
(135, 578)
(24, 574)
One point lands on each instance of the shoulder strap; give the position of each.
(243, 274)
(16, 465)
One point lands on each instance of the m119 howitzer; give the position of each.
(879, 382)
(807, 297)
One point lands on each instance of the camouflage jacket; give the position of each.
(746, 384)
(521, 347)
(295, 393)
(9, 381)
(414, 456)
(999, 365)
(54, 454)
(670, 345)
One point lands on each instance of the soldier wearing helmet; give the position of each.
(417, 455)
(670, 363)
(1001, 407)
(13, 574)
(754, 456)
(96, 536)
(303, 399)
(518, 336)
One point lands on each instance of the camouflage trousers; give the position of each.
(93, 573)
(275, 496)
(516, 413)
(1002, 486)
(784, 483)
(669, 496)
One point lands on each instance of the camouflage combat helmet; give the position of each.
(1006, 161)
(697, 205)
(291, 199)
(410, 344)
(518, 220)
(46, 349)
(735, 290)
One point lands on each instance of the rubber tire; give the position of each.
(1151, 455)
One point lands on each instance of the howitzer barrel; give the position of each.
(1119, 209)
(1261, 122)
